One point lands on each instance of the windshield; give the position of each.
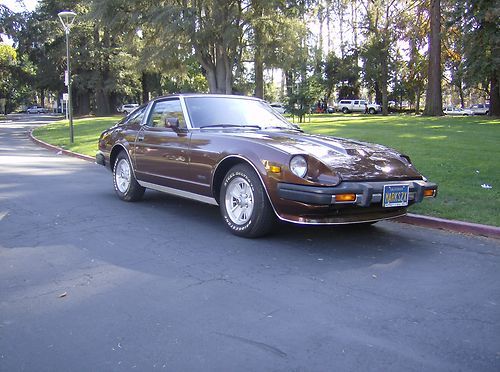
(215, 111)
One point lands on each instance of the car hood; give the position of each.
(352, 160)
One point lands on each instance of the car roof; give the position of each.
(208, 95)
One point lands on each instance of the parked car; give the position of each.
(128, 108)
(278, 107)
(238, 153)
(480, 109)
(457, 111)
(35, 110)
(357, 105)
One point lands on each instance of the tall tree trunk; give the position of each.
(383, 86)
(434, 98)
(144, 86)
(461, 94)
(82, 102)
(341, 29)
(259, 73)
(495, 94)
(258, 58)
(218, 69)
(378, 93)
(418, 94)
(328, 28)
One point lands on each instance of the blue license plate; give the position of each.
(395, 195)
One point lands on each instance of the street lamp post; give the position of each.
(67, 18)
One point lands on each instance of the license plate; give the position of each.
(395, 195)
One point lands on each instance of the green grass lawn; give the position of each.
(458, 153)
(86, 133)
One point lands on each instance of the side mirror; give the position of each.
(172, 123)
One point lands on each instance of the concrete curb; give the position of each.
(451, 225)
(410, 218)
(48, 146)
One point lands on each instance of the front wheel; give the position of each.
(345, 110)
(126, 186)
(244, 205)
(372, 111)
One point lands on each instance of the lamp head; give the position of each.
(67, 18)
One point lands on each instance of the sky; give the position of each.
(20, 5)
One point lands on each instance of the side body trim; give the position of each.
(181, 193)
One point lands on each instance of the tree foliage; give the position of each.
(131, 50)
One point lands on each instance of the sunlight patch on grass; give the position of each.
(407, 135)
(436, 137)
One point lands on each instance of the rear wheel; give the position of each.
(244, 205)
(126, 186)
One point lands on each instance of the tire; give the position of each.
(244, 205)
(126, 186)
(372, 111)
(345, 110)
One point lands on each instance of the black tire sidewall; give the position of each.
(134, 191)
(260, 219)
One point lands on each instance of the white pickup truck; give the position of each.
(357, 105)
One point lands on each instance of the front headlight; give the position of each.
(298, 166)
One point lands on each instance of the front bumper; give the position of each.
(367, 193)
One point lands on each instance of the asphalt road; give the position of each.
(91, 283)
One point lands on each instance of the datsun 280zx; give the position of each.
(240, 154)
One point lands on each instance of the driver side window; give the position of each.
(162, 111)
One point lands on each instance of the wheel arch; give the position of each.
(224, 166)
(117, 148)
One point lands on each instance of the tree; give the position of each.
(415, 73)
(482, 47)
(383, 21)
(433, 98)
(8, 57)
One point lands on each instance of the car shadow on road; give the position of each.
(337, 240)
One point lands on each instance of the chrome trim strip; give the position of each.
(181, 193)
(185, 113)
(339, 223)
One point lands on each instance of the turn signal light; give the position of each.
(271, 167)
(429, 193)
(345, 197)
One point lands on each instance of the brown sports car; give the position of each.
(238, 153)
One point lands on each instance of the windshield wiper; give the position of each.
(230, 126)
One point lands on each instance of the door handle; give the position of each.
(140, 138)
